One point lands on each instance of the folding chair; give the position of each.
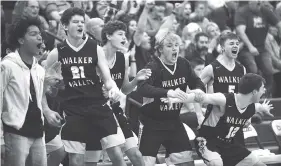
(249, 132)
(276, 129)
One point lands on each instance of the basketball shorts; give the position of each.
(176, 142)
(93, 153)
(97, 134)
(230, 153)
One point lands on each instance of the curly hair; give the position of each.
(19, 28)
(111, 27)
(69, 13)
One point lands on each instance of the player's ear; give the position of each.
(108, 36)
(254, 92)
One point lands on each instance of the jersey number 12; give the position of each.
(77, 72)
(232, 131)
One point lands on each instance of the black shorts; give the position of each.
(175, 141)
(94, 133)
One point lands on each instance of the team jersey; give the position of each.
(226, 81)
(83, 89)
(118, 70)
(180, 75)
(230, 122)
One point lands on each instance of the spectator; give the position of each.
(22, 91)
(199, 14)
(184, 11)
(155, 18)
(224, 16)
(198, 49)
(252, 21)
(28, 9)
(94, 27)
(189, 32)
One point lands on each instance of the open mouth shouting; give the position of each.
(234, 51)
(123, 43)
(174, 55)
(80, 30)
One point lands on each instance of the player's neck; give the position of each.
(75, 42)
(243, 100)
(25, 56)
(109, 51)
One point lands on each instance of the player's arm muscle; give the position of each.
(52, 58)
(207, 75)
(105, 72)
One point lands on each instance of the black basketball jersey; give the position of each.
(82, 84)
(118, 70)
(231, 121)
(173, 78)
(226, 81)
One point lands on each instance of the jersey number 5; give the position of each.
(77, 72)
(231, 88)
(232, 131)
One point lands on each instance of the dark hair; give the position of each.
(110, 27)
(198, 35)
(196, 61)
(227, 36)
(160, 3)
(126, 19)
(18, 29)
(69, 13)
(250, 82)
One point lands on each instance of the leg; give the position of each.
(92, 157)
(248, 61)
(55, 151)
(178, 147)
(76, 159)
(135, 156)
(37, 153)
(56, 157)
(250, 160)
(116, 156)
(16, 149)
(150, 142)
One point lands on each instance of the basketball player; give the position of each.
(162, 125)
(114, 39)
(231, 111)
(224, 73)
(86, 113)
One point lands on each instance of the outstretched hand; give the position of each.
(143, 74)
(266, 108)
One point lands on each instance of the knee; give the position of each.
(134, 153)
(216, 162)
(76, 159)
(115, 154)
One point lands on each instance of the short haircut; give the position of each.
(18, 29)
(198, 35)
(160, 3)
(69, 13)
(196, 61)
(111, 27)
(250, 82)
(227, 36)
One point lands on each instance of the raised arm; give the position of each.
(141, 25)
